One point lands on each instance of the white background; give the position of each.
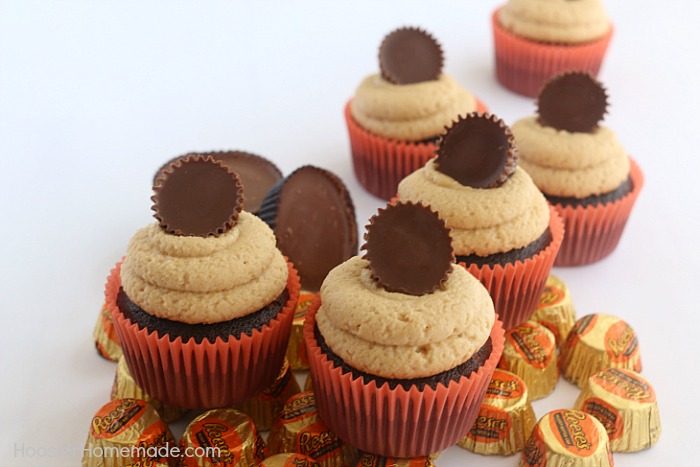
(94, 96)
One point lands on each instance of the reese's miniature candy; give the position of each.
(289, 459)
(105, 336)
(231, 434)
(569, 438)
(596, 342)
(505, 419)
(373, 460)
(530, 353)
(296, 349)
(625, 403)
(555, 310)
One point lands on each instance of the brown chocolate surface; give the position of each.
(572, 101)
(465, 369)
(313, 218)
(197, 196)
(621, 191)
(225, 329)
(409, 249)
(511, 256)
(410, 55)
(478, 151)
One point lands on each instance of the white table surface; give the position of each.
(94, 96)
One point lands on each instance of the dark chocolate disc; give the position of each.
(257, 174)
(197, 196)
(313, 218)
(573, 101)
(409, 249)
(477, 151)
(410, 55)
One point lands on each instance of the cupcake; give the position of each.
(537, 39)
(580, 166)
(402, 342)
(203, 302)
(503, 231)
(396, 115)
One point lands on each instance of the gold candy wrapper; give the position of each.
(264, 408)
(125, 386)
(372, 460)
(505, 420)
(105, 336)
(147, 463)
(625, 403)
(530, 353)
(296, 349)
(555, 311)
(299, 429)
(126, 431)
(567, 437)
(309, 384)
(597, 342)
(289, 460)
(229, 436)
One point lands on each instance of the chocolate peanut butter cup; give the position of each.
(573, 101)
(410, 55)
(313, 218)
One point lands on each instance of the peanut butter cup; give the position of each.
(410, 55)
(573, 101)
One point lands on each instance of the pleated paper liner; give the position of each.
(593, 232)
(524, 65)
(208, 374)
(397, 422)
(381, 163)
(516, 288)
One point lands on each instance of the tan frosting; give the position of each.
(568, 164)
(204, 280)
(555, 20)
(484, 221)
(410, 112)
(395, 335)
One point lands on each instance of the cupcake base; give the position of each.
(207, 374)
(524, 65)
(397, 422)
(381, 163)
(593, 232)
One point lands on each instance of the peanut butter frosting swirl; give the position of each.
(410, 112)
(484, 221)
(204, 279)
(555, 20)
(395, 335)
(567, 164)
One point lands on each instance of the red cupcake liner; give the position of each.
(516, 288)
(593, 232)
(209, 374)
(524, 65)
(381, 163)
(397, 422)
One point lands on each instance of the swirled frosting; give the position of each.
(395, 335)
(555, 20)
(484, 221)
(568, 164)
(410, 112)
(204, 280)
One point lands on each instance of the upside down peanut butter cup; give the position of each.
(410, 55)
(572, 101)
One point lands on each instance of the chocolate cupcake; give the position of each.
(203, 302)
(402, 331)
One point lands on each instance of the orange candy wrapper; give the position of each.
(516, 288)
(381, 163)
(105, 336)
(593, 232)
(397, 422)
(524, 65)
(208, 374)
(296, 349)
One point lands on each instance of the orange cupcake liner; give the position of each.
(397, 422)
(516, 288)
(208, 374)
(524, 65)
(593, 232)
(381, 163)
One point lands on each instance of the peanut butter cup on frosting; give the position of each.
(410, 55)
(204, 283)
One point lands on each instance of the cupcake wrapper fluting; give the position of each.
(593, 232)
(516, 288)
(381, 163)
(397, 422)
(208, 374)
(524, 65)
